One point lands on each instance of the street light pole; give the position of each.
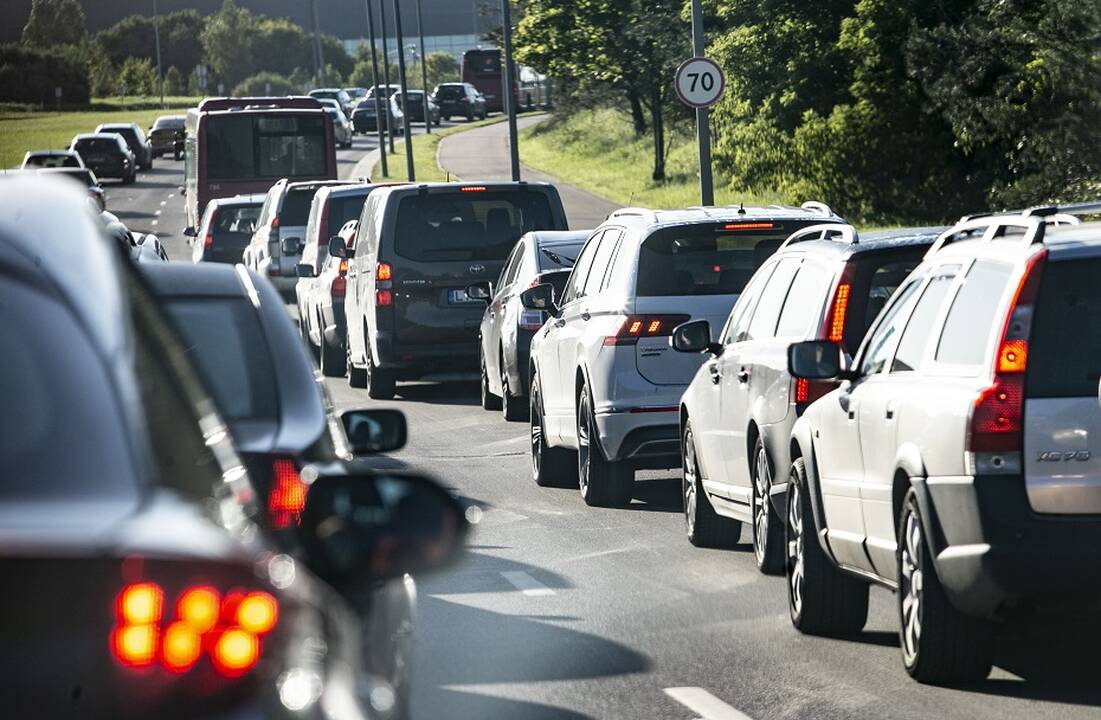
(319, 57)
(375, 91)
(703, 120)
(386, 72)
(424, 70)
(510, 81)
(157, 41)
(408, 126)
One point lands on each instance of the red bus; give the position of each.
(483, 70)
(241, 146)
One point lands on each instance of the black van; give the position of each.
(417, 249)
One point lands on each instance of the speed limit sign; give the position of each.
(700, 82)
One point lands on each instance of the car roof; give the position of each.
(116, 125)
(311, 184)
(658, 219)
(559, 238)
(868, 242)
(95, 135)
(40, 153)
(257, 199)
(350, 190)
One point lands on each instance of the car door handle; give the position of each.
(743, 376)
(890, 413)
(352, 273)
(559, 323)
(585, 315)
(716, 374)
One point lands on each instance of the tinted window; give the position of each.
(483, 64)
(742, 313)
(698, 261)
(236, 219)
(581, 270)
(169, 124)
(508, 272)
(601, 261)
(224, 340)
(128, 134)
(883, 341)
(558, 257)
(875, 276)
(247, 146)
(449, 226)
(763, 324)
(919, 331)
(61, 430)
(449, 92)
(1066, 331)
(52, 161)
(343, 209)
(103, 146)
(296, 208)
(971, 320)
(805, 300)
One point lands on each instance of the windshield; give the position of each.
(243, 146)
(96, 145)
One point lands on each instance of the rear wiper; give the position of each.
(558, 259)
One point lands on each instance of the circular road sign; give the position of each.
(700, 82)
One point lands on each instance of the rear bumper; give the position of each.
(415, 361)
(992, 551)
(647, 439)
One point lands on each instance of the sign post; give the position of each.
(700, 83)
(57, 97)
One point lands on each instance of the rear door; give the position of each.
(1062, 441)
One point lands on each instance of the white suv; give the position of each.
(605, 384)
(959, 463)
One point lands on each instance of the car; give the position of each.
(825, 282)
(363, 117)
(342, 129)
(167, 135)
(416, 107)
(957, 463)
(107, 155)
(356, 93)
(322, 279)
(51, 159)
(459, 99)
(337, 94)
(135, 140)
(226, 228)
(156, 565)
(276, 244)
(507, 327)
(408, 313)
(85, 177)
(605, 387)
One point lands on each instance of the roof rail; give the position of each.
(1063, 213)
(634, 211)
(820, 208)
(830, 231)
(304, 102)
(992, 226)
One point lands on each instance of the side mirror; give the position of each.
(540, 297)
(291, 246)
(191, 232)
(338, 249)
(694, 337)
(304, 270)
(359, 529)
(375, 431)
(480, 291)
(815, 360)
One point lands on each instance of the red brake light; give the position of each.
(275, 223)
(182, 647)
(473, 188)
(807, 391)
(384, 272)
(838, 311)
(140, 604)
(236, 651)
(384, 298)
(288, 494)
(632, 327)
(748, 226)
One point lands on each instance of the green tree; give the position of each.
(54, 22)
(174, 82)
(225, 43)
(300, 78)
(138, 77)
(441, 67)
(134, 36)
(265, 83)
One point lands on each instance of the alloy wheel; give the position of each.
(795, 549)
(762, 483)
(689, 482)
(910, 586)
(536, 433)
(583, 445)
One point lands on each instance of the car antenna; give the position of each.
(741, 208)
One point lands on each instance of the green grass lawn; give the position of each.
(425, 149)
(597, 150)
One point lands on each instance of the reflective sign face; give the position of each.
(700, 82)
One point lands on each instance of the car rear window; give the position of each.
(236, 218)
(96, 145)
(701, 261)
(127, 134)
(80, 175)
(343, 209)
(296, 207)
(52, 161)
(874, 278)
(449, 92)
(224, 339)
(450, 226)
(1064, 354)
(971, 319)
(169, 124)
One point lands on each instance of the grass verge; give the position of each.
(597, 151)
(425, 148)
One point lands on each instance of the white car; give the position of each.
(605, 384)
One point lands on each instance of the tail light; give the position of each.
(208, 241)
(384, 298)
(532, 319)
(995, 432)
(287, 498)
(228, 629)
(807, 391)
(384, 274)
(340, 283)
(633, 327)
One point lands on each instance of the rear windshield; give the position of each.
(1065, 347)
(169, 124)
(224, 340)
(343, 209)
(79, 174)
(236, 219)
(450, 92)
(127, 134)
(296, 206)
(240, 147)
(701, 261)
(445, 226)
(52, 161)
(874, 279)
(96, 145)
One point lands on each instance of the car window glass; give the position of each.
(607, 282)
(970, 321)
(803, 305)
(508, 272)
(602, 261)
(765, 316)
(882, 342)
(695, 260)
(742, 313)
(1066, 331)
(581, 270)
(919, 330)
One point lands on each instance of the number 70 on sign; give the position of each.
(699, 82)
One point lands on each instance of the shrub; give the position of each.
(31, 75)
(257, 85)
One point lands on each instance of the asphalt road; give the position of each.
(564, 611)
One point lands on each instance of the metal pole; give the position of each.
(703, 123)
(510, 100)
(408, 126)
(375, 91)
(319, 58)
(424, 70)
(157, 41)
(386, 72)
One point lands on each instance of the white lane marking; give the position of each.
(154, 222)
(171, 195)
(526, 583)
(163, 203)
(157, 212)
(707, 705)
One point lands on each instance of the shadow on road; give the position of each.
(131, 214)
(447, 393)
(455, 704)
(657, 495)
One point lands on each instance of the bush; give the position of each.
(258, 84)
(30, 75)
(174, 82)
(137, 76)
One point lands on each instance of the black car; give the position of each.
(145, 580)
(106, 155)
(226, 228)
(459, 99)
(408, 314)
(135, 140)
(85, 177)
(507, 327)
(364, 117)
(167, 136)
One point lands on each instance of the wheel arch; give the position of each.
(802, 446)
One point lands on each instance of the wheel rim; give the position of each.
(762, 482)
(536, 433)
(689, 483)
(910, 586)
(795, 549)
(485, 384)
(583, 448)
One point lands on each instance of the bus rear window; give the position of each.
(484, 64)
(243, 146)
(690, 261)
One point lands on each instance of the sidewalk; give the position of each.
(482, 154)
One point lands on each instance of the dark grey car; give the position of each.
(135, 140)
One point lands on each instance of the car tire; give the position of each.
(380, 383)
(514, 408)
(939, 643)
(469, 117)
(357, 377)
(705, 527)
(550, 466)
(821, 599)
(768, 527)
(603, 482)
(332, 359)
(489, 400)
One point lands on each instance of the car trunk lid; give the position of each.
(655, 359)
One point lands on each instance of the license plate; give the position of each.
(458, 297)
(95, 158)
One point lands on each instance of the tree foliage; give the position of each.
(31, 75)
(54, 22)
(265, 83)
(134, 36)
